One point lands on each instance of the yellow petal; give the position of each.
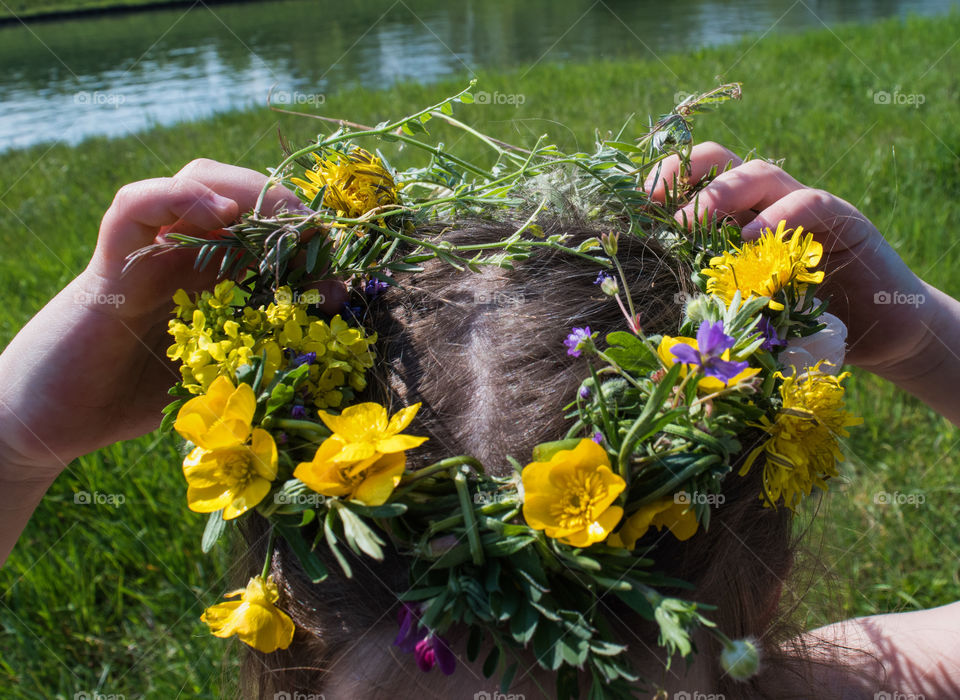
(401, 419)
(398, 443)
(384, 476)
(264, 454)
(250, 496)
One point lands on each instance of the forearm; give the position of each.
(19, 496)
(932, 371)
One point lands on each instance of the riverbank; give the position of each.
(17, 11)
(105, 596)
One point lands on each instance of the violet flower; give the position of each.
(577, 340)
(712, 342)
(429, 649)
(375, 287)
(773, 338)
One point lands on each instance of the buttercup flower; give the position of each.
(803, 448)
(254, 618)
(709, 352)
(679, 518)
(356, 182)
(570, 497)
(365, 457)
(766, 266)
(365, 430)
(223, 471)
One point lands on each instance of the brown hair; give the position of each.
(484, 354)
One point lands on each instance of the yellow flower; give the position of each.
(219, 418)
(803, 448)
(356, 183)
(570, 497)
(223, 471)
(364, 458)
(679, 518)
(369, 481)
(254, 618)
(766, 266)
(708, 385)
(364, 431)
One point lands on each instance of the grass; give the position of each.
(15, 10)
(106, 597)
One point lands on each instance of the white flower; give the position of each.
(828, 344)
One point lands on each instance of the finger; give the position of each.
(835, 223)
(740, 193)
(242, 185)
(140, 209)
(703, 157)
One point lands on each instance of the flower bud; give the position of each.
(740, 659)
(609, 286)
(609, 242)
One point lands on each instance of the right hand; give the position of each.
(863, 273)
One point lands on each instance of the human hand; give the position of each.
(862, 271)
(90, 368)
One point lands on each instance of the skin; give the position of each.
(81, 375)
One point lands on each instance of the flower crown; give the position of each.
(268, 400)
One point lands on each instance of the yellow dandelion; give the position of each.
(766, 266)
(356, 183)
(804, 448)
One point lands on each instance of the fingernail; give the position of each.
(221, 203)
(752, 230)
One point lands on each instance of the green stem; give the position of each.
(469, 516)
(266, 564)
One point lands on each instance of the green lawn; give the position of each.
(107, 597)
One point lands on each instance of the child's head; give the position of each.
(484, 354)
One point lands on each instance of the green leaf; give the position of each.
(473, 643)
(213, 531)
(631, 353)
(359, 535)
(524, 623)
(490, 664)
(329, 533)
(545, 450)
(387, 510)
(312, 566)
(507, 679)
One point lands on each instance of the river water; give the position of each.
(113, 74)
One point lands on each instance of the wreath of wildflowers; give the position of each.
(267, 400)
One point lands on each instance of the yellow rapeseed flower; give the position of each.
(254, 618)
(679, 518)
(356, 183)
(766, 266)
(571, 496)
(803, 448)
(233, 464)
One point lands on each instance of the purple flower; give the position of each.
(598, 437)
(298, 412)
(409, 633)
(353, 313)
(375, 287)
(429, 649)
(576, 340)
(307, 358)
(585, 392)
(773, 338)
(435, 651)
(601, 276)
(712, 342)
